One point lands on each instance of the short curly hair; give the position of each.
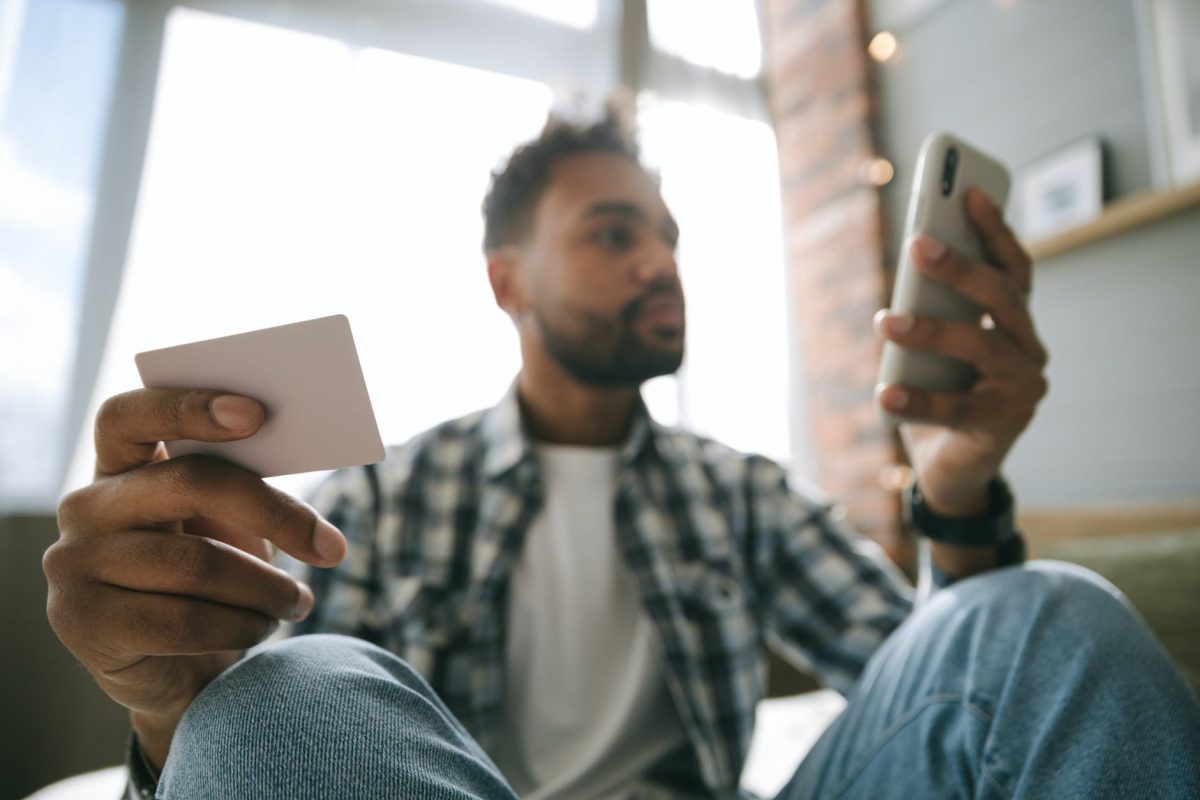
(516, 188)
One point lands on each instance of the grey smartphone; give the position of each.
(946, 167)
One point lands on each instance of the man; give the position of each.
(590, 595)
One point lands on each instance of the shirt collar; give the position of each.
(506, 445)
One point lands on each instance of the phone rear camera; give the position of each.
(949, 169)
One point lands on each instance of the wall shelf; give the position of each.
(1117, 217)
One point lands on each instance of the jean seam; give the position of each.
(984, 769)
(890, 732)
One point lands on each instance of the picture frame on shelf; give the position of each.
(1168, 32)
(1058, 190)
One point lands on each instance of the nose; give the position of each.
(657, 263)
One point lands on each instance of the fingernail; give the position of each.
(899, 324)
(328, 541)
(304, 604)
(931, 248)
(235, 413)
(895, 398)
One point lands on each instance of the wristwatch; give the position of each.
(993, 527)
(143, 781)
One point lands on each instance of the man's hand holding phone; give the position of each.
(957, 440)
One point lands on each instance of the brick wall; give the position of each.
(822, 102)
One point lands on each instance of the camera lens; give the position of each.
(949, 168)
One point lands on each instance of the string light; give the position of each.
(895, 477)
(877, 171)
(883, 46)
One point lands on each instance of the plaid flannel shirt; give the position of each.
(727, 561)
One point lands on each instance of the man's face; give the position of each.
(599, 273)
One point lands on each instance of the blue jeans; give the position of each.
(1033, 681)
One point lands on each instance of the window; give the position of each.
(55, 83)
(290, 176)
(735, 377)
(721, 34)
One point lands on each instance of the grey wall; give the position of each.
(54, 721)
(1122, 422)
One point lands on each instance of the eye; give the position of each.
(618, 237)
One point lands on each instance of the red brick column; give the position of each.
(821, 101)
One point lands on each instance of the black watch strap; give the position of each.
(994, 527)
(143, 783)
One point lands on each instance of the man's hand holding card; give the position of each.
(160, 577)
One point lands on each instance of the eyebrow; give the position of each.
(630, 211)
(618, 207)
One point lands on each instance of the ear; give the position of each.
(503, 268)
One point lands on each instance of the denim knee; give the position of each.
(293, 682)
(1036, 585)
(315, 657)
(327, 718)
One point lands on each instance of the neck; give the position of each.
(556, 409)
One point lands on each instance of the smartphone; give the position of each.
(946, 167)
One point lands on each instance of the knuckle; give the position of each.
(193, 559)
(72, 508)
(143, 621)
(62, 615)
(189, 474)
(56, 561)
(286, 517)
(1042, 386)
(112, 411)
(185, 624)
(177, 475)
(173, 409)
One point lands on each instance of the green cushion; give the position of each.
(1160, 573)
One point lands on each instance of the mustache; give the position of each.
(630, 310)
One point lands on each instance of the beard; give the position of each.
(605, 352)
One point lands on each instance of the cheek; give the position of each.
(586, 280)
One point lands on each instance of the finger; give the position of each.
(199, 486)
(991, 352)
(991, 289)
(192, 566)
(998, 238)
(213, 529)
(949, 409)
(129, 426)
(988, 406)
(152, 624)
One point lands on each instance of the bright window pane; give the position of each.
(55, 86)
(576, 13)
(290, 177)
(720, 177)
(722, 34)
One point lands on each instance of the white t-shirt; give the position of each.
(587, 709)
